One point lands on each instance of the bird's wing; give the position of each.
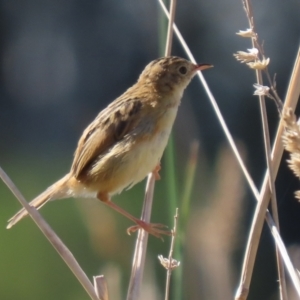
(109, 127)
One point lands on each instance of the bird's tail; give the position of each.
(58, 190)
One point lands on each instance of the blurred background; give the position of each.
(61, 62)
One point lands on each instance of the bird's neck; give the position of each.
(156, 95)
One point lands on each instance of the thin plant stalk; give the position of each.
(52, 237)
(140, 251)
(170, 28)
(169, 263)
(280, 266)
(277, 149)
(169, 270)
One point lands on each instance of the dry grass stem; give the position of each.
(141, 244)
(55, 241)
(286, 258)
(101, 287)
(169, 263)
(170, 28)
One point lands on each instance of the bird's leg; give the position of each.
(154, 229)
(156, 172)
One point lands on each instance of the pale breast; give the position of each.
(144, 156)
(148, 154)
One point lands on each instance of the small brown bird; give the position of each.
(126, 140)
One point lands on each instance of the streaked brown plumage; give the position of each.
(126, 140)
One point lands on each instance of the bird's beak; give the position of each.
(202, 67)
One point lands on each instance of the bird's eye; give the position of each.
(182, 70)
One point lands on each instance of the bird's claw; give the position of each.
(156, 172)
(152, 228)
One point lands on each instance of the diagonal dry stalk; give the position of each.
(170, 28)
(142, 238)
(266, 135)
(56, 242)
(277, 150)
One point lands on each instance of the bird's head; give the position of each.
(170, 74)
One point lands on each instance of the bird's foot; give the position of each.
(156, 172)
(155, 229)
